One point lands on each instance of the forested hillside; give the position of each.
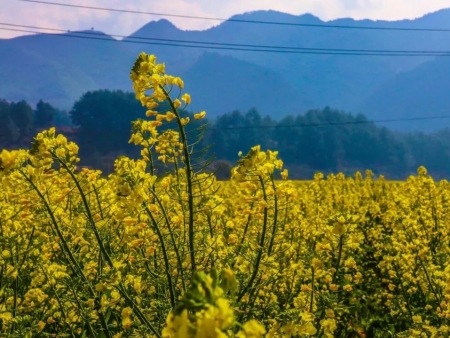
(326, 140)
(279, 69)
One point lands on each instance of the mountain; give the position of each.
(60, 68)
(421, 92)
(219, 84)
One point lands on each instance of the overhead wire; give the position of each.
(331, 124)
(223, 46)
(244, 47)
(94, 33)
(242, 20)
(308, 125)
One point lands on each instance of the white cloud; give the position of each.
(41, 15)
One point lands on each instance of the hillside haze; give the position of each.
(60, 68)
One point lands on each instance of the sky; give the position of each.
(58, 17)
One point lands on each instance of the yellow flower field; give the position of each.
(135, 254)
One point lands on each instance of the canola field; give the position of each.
(135, 254)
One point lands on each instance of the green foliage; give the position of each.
(22, 116)
(326, 139)
(8, 130)
(44, 114)
(19, 122)
(106, 116)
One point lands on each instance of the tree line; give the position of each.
(19, 122)
(326, 140)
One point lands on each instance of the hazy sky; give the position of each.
(25, 13)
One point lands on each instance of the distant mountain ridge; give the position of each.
(59, 69)
(423, 91)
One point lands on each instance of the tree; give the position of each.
(9, 132)
(22, 116)
(104, 119)
(44, 114)
(227, 136)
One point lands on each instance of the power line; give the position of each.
(332, 124)
(234, 44)
(319, 51)
(309, 125)
(241, 20)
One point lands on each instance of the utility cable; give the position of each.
(308, 125)
(332, 124)
(313, 52)
(230, 44)
(241, 20)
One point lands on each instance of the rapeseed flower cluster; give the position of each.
(137, 254)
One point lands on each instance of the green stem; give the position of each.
(261, 244)
(238, 252)
(102, 319)
(75, 266)
(138, 312)
(177, 252)
(88, 210)
(57, 229)
(404, 292)
(312, 291)
(338, 262)
(275, 218)
(437, 295)
(189, 177)
(166, 259)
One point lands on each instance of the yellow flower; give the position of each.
(307, 316)
(144, 67)
(126, 323)
(150, 112)
(170, 116)
(186, 98)
(328, 326)
(251, 329)
(11, 272)
(422, 171)
(41, 325)
(334, 287)
(329, 313)
(7, 158)
(179, 82)
(339, 229)
(307, 329)
(177, 103)
(316, 263)
(5, 317)
(136, 243)
(177, 326)
(347, 287)
(306, 288)
(224, 315)
(200, 115)
(126, 312)
(100, 287)
(417, 319)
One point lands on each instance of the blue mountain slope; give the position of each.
(60, 69)
(220, 84)
(421, 92)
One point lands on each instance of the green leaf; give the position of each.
(108, 315)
